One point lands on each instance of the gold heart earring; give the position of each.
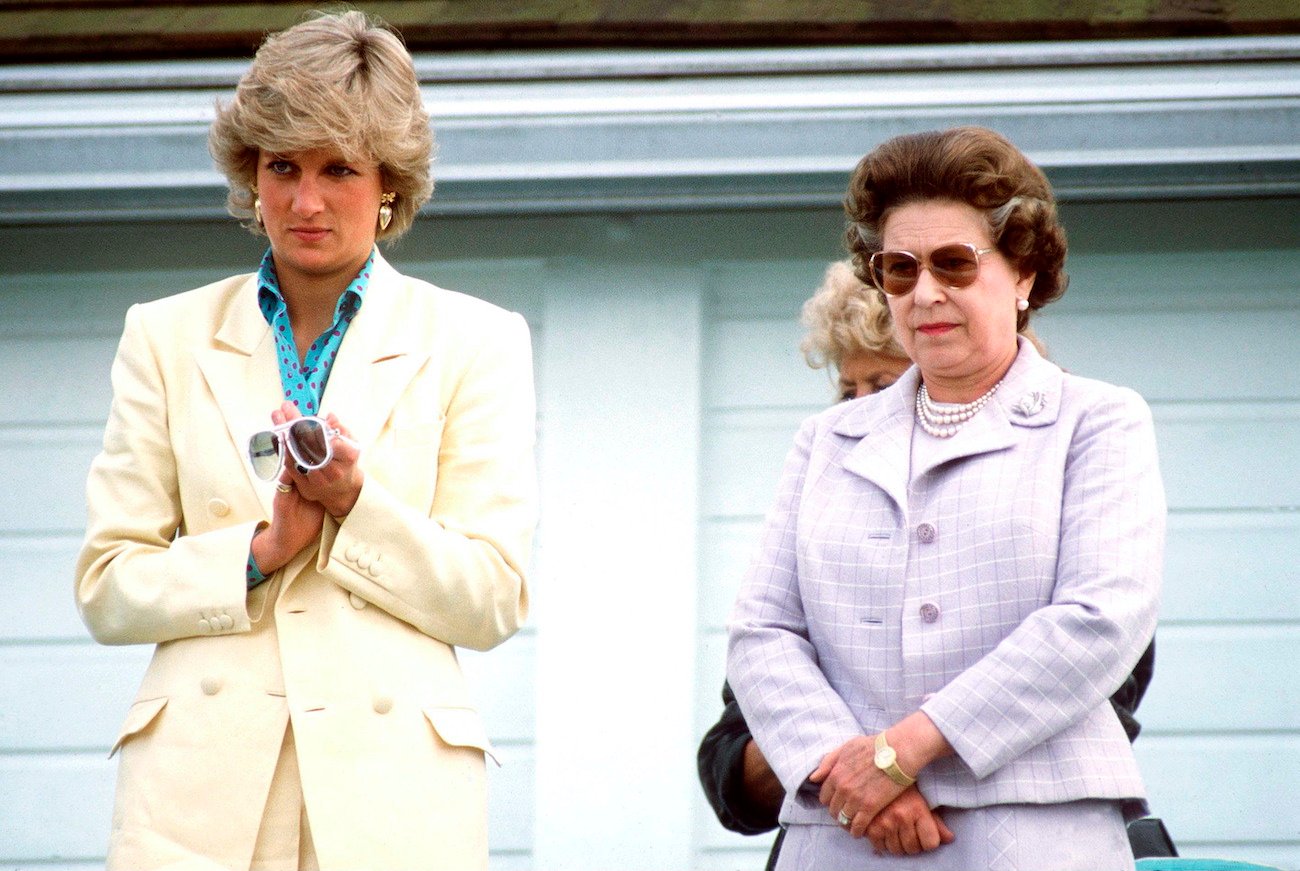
(386, 210)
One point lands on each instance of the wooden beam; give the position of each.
(45, 30)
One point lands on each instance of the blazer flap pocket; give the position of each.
(142, 713)
(460, 727)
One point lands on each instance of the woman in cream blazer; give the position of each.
(318, 718)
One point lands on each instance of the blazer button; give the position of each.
(929, 612)
(219, 507)
(925, 533)
(226, 621)
(376, 568)
(204, 625)
(383, 704)
(357, 601)
(210, 686)
(353, 551)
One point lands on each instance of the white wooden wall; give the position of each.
(670, 385)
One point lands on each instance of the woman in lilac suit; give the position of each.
(961, 569)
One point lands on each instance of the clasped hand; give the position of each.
(303, 499)
(895, 819)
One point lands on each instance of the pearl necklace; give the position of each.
(944, 423)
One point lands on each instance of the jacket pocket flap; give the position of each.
(137, 720)
(461, 727)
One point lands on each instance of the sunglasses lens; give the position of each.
(264, 453)
(955, 265)
(894, 272)
(310, 441)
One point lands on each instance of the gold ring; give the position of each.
(284, 488)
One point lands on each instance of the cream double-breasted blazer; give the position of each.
(354, 641)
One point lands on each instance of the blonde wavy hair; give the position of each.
(342, 81)
(845, 317)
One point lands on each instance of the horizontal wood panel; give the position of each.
(36, 580)
(57, 806)
(1220, 567)
(758, 364)
(1231, 567)
(1229, 354)
(67, 697)
(1238, 788)
(1206, 680)
(54, 381)
(741, 458)
(74, 696)
(44, 479)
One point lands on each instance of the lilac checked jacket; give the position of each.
(1005, 588)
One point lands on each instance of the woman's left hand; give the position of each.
(337, 485)
(908, 826)
(853, 785)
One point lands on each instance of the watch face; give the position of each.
(885, 757)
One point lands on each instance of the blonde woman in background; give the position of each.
(851, 335)
(316, 481)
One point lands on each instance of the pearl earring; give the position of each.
(1022, 305)
(386, 210)
(257, 207)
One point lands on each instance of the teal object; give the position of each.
(1191, 864)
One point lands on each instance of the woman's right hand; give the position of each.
(295, 521)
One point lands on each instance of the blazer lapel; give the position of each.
(1029, 396)
(240, 369)
(884, 430)
(377, 359)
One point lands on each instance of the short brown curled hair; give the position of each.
(336, 80)
(972, 165)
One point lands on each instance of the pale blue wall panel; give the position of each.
(1232, 567)
(1213, 678)
(55, 380)
(57, 806)
(67, 696)
(1225, 788)
(36, 575)
(44, 479)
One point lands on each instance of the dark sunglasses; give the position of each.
(955, 266)
(307, 438)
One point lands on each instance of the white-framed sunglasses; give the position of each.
(308, 439)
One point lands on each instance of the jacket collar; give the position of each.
(1029, 396)
(376, 360)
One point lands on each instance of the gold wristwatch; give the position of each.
(887, 761)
